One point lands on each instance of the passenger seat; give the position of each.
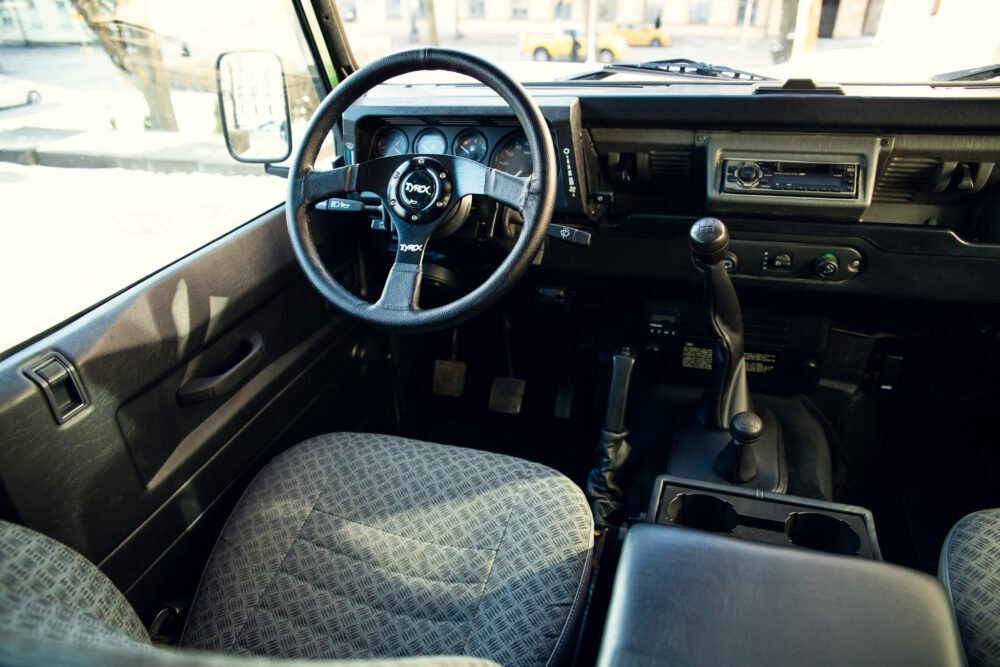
(970, 571)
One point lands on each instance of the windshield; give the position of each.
(846, 41)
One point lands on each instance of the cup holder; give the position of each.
(822, 532)
(700, 510)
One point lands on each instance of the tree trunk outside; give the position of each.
(432, 28)
(789, 9)
(142, 63)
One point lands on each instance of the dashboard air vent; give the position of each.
(671, 167)
(904, 178)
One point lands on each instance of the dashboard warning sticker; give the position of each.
(700, 358)
(761, 362)
(571, 188)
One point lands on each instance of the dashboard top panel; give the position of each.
(875, 108)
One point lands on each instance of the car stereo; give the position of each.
(790, 178)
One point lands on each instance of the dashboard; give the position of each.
(894, 193)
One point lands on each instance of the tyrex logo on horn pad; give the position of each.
(418, 189)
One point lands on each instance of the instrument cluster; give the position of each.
(501, 148)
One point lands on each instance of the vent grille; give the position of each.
(402, 120)
(904, 178)
(461, 121)
(454, 120)
(671, 166)
(767, 331)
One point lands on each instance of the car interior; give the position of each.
(595, 371)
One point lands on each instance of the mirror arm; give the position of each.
(275, 170)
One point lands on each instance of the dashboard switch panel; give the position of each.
(796, 261)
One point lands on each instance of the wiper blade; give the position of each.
(975, 74)
(680, 67)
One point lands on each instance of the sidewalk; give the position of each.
(168, 152)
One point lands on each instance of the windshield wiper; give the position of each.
(680, 67)
(975, 74)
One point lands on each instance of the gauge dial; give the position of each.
(392, 141)
(430, 141)
(514, 156)
(470, 144)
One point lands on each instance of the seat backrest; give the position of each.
(970, 571)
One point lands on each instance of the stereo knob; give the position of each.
(748, 174)
(827, 266)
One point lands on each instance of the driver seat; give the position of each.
(351, 546)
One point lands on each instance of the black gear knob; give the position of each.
(746, 428)
(709, 240)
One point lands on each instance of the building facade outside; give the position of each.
(838, 18)
(29, 22)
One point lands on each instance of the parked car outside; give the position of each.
(570, 42)
(15, 93)
(641, 34)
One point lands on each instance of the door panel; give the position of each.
(127, 478)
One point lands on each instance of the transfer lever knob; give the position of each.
(737, 462)
(709, 240)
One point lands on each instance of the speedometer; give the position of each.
(430, 141)
(514, 155)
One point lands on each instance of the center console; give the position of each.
(723, 593)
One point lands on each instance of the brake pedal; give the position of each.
(449, 374)
(507, 393)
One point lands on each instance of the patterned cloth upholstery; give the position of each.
(367, 546)
(970, 570)
(49, 591)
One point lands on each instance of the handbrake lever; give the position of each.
(603, 488)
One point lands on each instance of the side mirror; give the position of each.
(253, 105)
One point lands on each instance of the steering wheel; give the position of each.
(418, 192)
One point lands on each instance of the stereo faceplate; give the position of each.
(837, 180)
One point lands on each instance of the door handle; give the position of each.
(206, 388)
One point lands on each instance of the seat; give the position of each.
(970, 570)
(351, 546)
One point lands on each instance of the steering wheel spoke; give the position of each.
(402, 286)
(473, 178)
(319, 186)
(367, 176)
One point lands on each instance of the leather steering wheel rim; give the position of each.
(533, 196)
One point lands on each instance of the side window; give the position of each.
(112, 159)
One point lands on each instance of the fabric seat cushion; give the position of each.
(970, 571)
(368, 546)
(49, 591)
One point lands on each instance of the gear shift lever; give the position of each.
(727, 394)
(730, 442)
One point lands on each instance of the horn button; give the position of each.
(420, 190)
